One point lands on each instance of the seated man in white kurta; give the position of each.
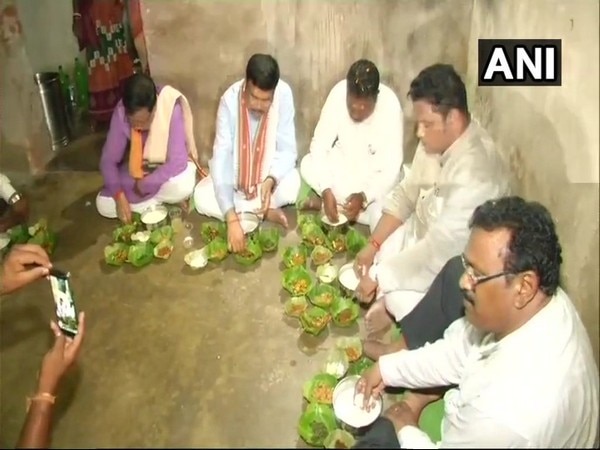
(253, 167)
(455, 169)
(356, 154)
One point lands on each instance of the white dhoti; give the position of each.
(173, 191)
(341, 186)
(205, 199)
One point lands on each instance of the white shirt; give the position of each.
(536, 388)
(436, 201)
(6, 188)
(367, 156)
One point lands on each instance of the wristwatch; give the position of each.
(14, 198)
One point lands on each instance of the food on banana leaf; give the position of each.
(124, 232)
(320, 389)
(163, 249)
(212, 230)
(337, 363)
(314, 320)
(344, 311)
(19, 234)
(295, 306)
(251, 254)
(321, 255)
(116, 254)
(359, 366)
(269, 239)
(160, 234)
(313, 235)
(323, 295)
(352, 346)
(140, 254)
(327, 273)
(355, 241)
(295, 256)
(140, 236)
(297, 281)
(303, 219)
(315, 424)
(45, 238)
(339, 439)
(337, 241)
(217, 249)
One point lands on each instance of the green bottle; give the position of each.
(82, 85)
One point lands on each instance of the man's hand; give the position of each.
(364, 260)
(16, 273)
(353, 206)
(123, 208)
(330, 205)
(370, 385)
(366, 290)
(266, 190)
(60, 357)
(235, 234)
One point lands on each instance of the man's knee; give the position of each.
(106, 206)
(288, 189)
(205, 200)
(307, 169)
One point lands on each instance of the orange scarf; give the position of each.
(250, 153)
(136, 155)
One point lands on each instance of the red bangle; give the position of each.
(375, 244)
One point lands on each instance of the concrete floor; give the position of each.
(172, 358)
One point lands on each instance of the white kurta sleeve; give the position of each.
(437, 364)
(415, 267)
(387, 166)
(323, 138)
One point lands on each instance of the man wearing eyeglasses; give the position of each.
(519, 365)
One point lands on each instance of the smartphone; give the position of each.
(66, 312)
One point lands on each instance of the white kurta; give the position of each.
(436, 201)
(536, 388)
(349, 157)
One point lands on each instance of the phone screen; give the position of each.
(65, 304)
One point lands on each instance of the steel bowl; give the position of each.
(148, 218)
(342, 226)
(348, 289)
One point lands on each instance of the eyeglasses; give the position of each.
(475, 280)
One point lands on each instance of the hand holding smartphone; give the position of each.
(66, 312)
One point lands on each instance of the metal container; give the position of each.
(344, 401)
(342, 226)
(147, 217)
(53, 104)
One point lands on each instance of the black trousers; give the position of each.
(441, 305)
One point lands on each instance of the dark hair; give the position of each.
(533, 244)
(139, 92)
(441, 86)
(263, 71)
(363, 79)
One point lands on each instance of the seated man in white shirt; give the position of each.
(253, 167)
(356, 154)
(14, 208)
(425, 218)
(520, 360)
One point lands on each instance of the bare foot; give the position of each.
(419, 399)
(277, 216)
(377, 318)
(312, 203)
(375, 349)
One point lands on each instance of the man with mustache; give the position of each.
(519, 366)
(456, 167)
(253, 167)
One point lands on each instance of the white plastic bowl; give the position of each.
(342, 220)
(348, 278)
(347, 406)
(327, 273)
(249, 222)
(196, 259)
